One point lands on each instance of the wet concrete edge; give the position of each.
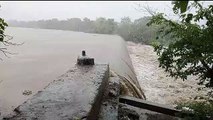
(94, 112)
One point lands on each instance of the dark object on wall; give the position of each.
(84, 60)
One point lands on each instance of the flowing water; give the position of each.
(47, 54)
(158, 87)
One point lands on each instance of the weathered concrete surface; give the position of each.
(109, 107)
(165, 109)
(75, 95)
(127, 112)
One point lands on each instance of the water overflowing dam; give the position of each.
(47, 54)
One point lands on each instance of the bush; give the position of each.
(202, 110)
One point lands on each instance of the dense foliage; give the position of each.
(136, 31)
(3, 42)
(201, 110)
(3, 25)
(191, 49)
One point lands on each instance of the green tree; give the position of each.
(191, 49)
(74, 24)
(125, 28)
(88, 25)
(105, 26)
(140, 32)
(3, 25)
(3, 42)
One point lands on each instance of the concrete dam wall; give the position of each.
(47, 54)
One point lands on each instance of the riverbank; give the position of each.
(157, 86)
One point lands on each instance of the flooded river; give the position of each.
(47, 54)
(157, 86)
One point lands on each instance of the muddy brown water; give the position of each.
(47, 54)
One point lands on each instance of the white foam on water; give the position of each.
(157, 86)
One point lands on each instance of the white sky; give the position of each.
(37, 10)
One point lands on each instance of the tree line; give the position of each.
(129, 30)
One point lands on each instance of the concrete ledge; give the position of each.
(75, 95)
(109, 107)
(164, 109)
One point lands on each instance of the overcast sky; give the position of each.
(38, 10)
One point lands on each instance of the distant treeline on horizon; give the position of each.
(136, 31)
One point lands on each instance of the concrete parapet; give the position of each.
(75, 95)
(109, 107)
